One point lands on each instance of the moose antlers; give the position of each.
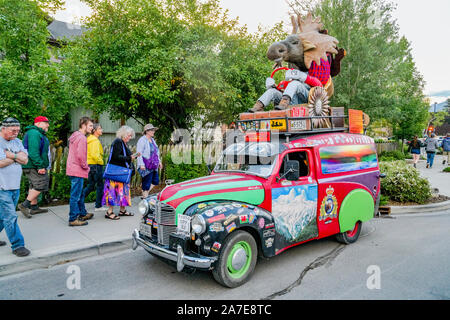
(315, 43)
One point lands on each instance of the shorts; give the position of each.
(150, 179)
(38, 182)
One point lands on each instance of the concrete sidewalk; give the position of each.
(52, 241)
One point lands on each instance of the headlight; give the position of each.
(198, 224)
(143, 207)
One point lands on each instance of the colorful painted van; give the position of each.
(262, 198)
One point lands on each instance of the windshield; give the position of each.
(257, 158)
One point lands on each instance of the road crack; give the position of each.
(320, 261)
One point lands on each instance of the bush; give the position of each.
(391, 155)
(403, 183)
(182, 172)
(446, 169)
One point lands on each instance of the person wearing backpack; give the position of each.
(149, 161)
(36, 170)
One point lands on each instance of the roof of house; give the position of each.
(60, 30)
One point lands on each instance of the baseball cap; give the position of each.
(40, 119)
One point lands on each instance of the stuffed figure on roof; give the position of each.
(313, 58)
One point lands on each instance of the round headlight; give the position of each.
(198, 224)
(143, 207)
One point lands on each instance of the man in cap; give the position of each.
(12, 156)
(149, 160)
(37, 144)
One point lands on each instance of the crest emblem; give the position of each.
(329, 206)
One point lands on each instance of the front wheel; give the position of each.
(237, 260)
(351, 235)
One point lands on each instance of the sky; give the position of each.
(424, 23)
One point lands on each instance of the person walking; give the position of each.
(414, 148)
(149, 161)
(77, 169)
(117, 193)
(431, 145)
(36, 170)
(446, 148)
(12, 156)
(95, 163)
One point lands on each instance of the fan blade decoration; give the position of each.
(318, 105)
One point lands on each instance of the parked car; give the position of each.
(262, 198)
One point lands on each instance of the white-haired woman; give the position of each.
(118, 193)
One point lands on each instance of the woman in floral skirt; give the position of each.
(118, 193)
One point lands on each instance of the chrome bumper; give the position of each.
(178, 257)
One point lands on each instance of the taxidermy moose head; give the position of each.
(308, 42)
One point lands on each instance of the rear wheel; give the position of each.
(351, 235)
(237, 259)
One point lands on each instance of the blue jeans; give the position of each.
(430, 158)
(150, 179)
(95, 182)
(296, 90)
(8, 217)
(77, 207)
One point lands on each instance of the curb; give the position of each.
(45, 262)
(420, 208)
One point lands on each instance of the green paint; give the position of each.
(187, 183)
(236, 274)
(254, 197)
(212, 187)
(357, 206)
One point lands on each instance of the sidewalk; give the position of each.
(52, 241)
(437, 178)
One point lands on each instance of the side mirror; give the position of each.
(292, 170)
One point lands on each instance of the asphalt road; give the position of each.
(404, 257)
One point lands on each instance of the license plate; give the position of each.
(145, 229)
(298, 124)
(184, 225)
(279, 124)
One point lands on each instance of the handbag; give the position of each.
(152, 163)
(117, 173)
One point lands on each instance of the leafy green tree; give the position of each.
(168, 62)
(30, 84)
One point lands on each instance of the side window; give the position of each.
(301, 157)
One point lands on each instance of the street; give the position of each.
(397, 257)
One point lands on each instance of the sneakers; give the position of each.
(25, 211)
(443, 162)
(2, 243)
(86, 217)
(37, 210)
(428, 165)
(77, 223)
(21, 252)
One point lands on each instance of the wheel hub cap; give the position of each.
(239, 259)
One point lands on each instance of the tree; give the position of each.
(168, 62)
(30, 84)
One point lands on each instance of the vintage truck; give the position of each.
(270, 192)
